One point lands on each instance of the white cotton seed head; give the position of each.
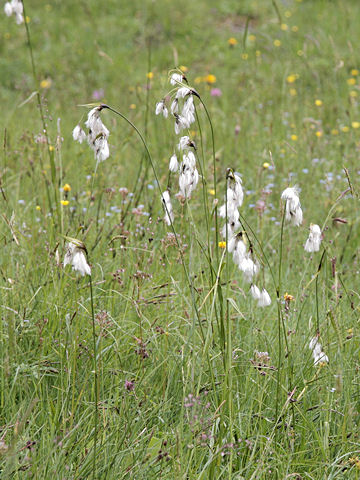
(183, 92)
(314, 240)
(75, 256)
(239, 252)
(78, 134)
(161, 109)
(249, 268)
(321, 358)
(101, 148)
(8, 9)
(293, 212)
(265, 299)
(169, 215)
(318, 355)
(173, 164)
(255, 292)
(176, 78)
(174, 108)
(184, 143)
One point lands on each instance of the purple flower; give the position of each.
(98, 94)
(215, 92)
(129, 385)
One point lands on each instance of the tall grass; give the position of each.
(161, 364)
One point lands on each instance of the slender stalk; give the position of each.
(96, 378)
(51, 157)
(278, 291)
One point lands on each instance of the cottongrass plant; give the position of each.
(75, 256)
(97, 135)
(15, 7)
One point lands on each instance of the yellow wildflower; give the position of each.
(211, 191)
(66, 187)
(284, 27)
(345, 129)
(232, 41)
(222, 244)
(293, 92)
(132, 106)
(334, 131)
(252, 38)
(65, 202)
(355, 125)
(46, 83)
(294, 137)
(38, 207)
(150, 75)
(354, 72)
(295, 28)
(319, 133)
(277, 42)
(51, 148)
(351, 81)
(291, 78)
(288, 297)
(210, 78)
(244, 56)
(183, 68)
(353, 93)
(318, 103)
(258, 53)
(266, 165)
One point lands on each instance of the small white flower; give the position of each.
(255, 292)
(161, 108)
(314, 240)
(78, 134)
(265, 299)
(169, 215)
(176, 78)
(173, 164)
(75, 256)
(293, 212)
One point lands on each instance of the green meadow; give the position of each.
(133, 344)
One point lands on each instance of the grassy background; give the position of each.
(239, 423)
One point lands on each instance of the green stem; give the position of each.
(96, 378)
(51, 159)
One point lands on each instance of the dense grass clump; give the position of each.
(177, 346)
